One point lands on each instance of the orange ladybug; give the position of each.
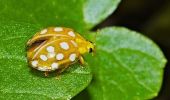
(55, 48)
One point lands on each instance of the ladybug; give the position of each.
(55, 48)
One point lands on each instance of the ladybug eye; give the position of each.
(90, 50)
(90, 41)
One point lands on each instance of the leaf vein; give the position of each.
(131, 72)
(10, 38)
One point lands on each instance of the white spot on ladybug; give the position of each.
(54, 66)
(43, 31)
(50, 49)
(64, 45)
(43, 57)
(45, 68)
(72, 57)
(51, 55)
(59, 56)
(34, 63)
(58, 29)
(74, 43)
(71, 33)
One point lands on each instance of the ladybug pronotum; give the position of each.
(55, 48)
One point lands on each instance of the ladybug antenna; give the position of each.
(95, 36)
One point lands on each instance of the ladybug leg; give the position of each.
(61, 70)
(81, 60)
(46, 73)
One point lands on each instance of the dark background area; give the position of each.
(152, 18)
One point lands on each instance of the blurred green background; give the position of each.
(151, 17)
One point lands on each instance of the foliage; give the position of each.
(127, 65)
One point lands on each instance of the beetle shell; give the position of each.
(55, 48)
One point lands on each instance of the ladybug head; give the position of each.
(85, 46)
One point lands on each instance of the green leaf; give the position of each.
(127, 66)
(77, 14)
(97, 10)
(19, 81)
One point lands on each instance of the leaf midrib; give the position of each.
(132, 74)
